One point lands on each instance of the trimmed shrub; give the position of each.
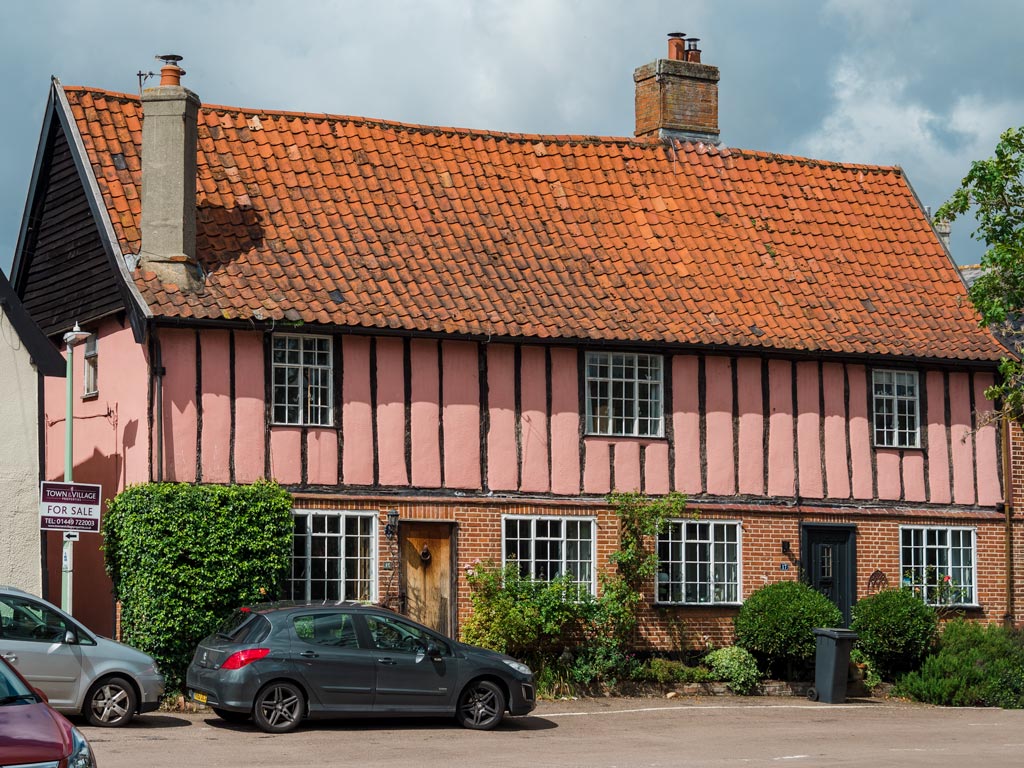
(736, 667)
(895, 630)
(976, 665)
(182, 557)
(775, 624)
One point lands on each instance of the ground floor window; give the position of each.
(939, 563)
(699, 562)
(333, 556)
(548, 547)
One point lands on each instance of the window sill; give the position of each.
(898, 447)
(624, 438)
(91, 395)
(660, 604)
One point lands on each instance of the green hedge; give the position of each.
(182, 557)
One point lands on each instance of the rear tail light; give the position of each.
(239, 659)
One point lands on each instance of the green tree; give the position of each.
(994, 190)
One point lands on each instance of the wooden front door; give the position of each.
(427, 554)
(829, 562)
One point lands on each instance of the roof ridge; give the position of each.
(547, 138)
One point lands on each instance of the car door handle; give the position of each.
(387, 660)
(309, 654)
(11, 657)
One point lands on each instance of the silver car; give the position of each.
(79, 671)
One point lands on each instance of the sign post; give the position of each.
(72, 508)
(72, 338)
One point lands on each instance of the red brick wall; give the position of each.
(669, 627)
(676, 95)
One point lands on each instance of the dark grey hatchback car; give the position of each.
(281, 663)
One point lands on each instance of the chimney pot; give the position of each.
(677, 46)
(170, 74)
(692, 51)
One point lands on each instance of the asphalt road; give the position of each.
(603, 733)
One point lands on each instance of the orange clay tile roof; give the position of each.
(347, 221)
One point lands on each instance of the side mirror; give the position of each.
(433, 651)
(38, 692)
(70, 638)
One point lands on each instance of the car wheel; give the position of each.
(231, 716)
(481, 706)
(278, 707)
(110, 703)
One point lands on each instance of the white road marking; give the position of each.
(690, 708)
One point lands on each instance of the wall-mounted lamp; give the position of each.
(392, 525)
(785, 548)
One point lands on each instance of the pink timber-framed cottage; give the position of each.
(479, 335)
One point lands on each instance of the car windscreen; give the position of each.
(13, 689)
(244, 626)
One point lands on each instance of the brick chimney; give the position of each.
(677, 97)
(169, 137)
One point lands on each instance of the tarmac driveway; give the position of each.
(595, 733)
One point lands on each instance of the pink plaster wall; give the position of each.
(391, 412)
(356, 414)
(686, 423)
(533, 420)
(961, 439)
(178, 350)
(837, 465)
(721, 464)
(502, 462)
(322, 456)
(989, 491)
(216, 400)
(250, 414)
(627, 466)
(888, 471)
(656, 475)
(461, 415)
(913, 476)
(286, 454)
(808, 430)
(426, 415)
(938, 446)
(750, 401)
(781, 467)
(597, 465)
(565, 424)
(860, 433)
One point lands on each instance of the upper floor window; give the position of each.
(333, 556)
(624, 394)
(896, 409)
(303, 367)
(90, 384)
(546, 548)
(699, 562)
(938, 564)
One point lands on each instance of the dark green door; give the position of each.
(829, 563)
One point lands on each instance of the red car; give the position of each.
(31, 733)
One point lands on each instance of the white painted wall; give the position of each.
(19, 464)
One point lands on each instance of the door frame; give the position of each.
(453, 581)
(849, 568)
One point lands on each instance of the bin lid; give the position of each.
(836, 633)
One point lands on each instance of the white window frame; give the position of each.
(683, 543)
(91, 368)
(602, 416)
(533, 521)
(883, 405)
(305, 576)
(307, 414)
(913, 574)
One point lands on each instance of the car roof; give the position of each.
(282, 606)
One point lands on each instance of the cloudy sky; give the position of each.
(924, 84)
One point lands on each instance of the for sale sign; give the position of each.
(69, 507)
